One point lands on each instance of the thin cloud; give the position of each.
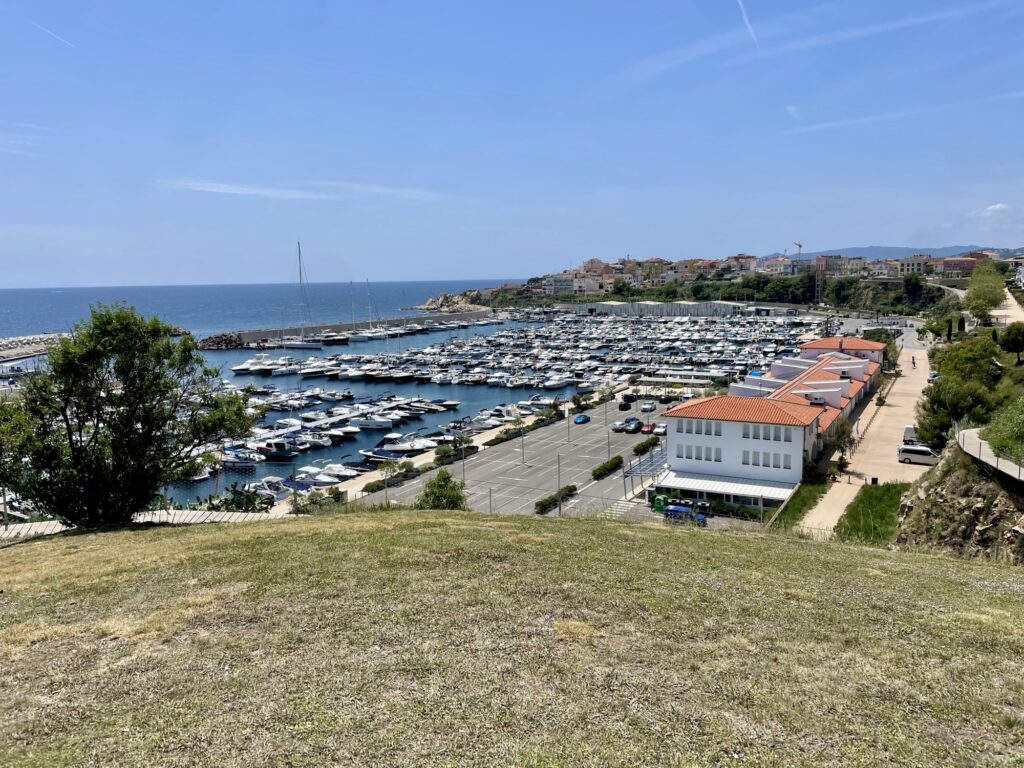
(871, 30)
(902, 114)
(794, 111)
(52, 34)
(747, 24)
(377, 190)
(652, 66)
(334, 190)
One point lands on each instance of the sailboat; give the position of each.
(302, 342)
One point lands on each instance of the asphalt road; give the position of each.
(500, 479)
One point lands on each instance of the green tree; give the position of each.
(442, 491)
(969, 360)
(842, 439)
(120, 410)
(1013, 339)
(951, 400)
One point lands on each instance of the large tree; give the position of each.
(1012, 339)
(950, 400)
(121, 409)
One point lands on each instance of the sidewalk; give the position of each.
(875, 454)
(1009, 311)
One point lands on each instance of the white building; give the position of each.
(749, 447)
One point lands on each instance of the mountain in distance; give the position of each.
(879, 252)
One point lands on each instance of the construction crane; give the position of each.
(799, 248)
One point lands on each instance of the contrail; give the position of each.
(886, 117)
(53, 34)
(746, 21)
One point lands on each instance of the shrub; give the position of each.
(605, 468)
(442, 491)
(645, 446)
(880, 400)
(545, 505)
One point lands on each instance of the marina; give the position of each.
(330, 415)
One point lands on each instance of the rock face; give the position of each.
(467, 301)
(959, 508)
(222, 341)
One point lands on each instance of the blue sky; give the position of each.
(194, 142)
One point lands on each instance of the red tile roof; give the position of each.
(841, 343)
(750, 409)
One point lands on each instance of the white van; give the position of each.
(917, 454)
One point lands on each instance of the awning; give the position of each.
(735, 486)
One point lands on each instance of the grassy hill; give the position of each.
(413, 639)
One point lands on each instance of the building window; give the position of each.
(718, 455)
(700, 427)
(757, 431)
(766, 459)
(698, 453)
(679, 426)
(689, 451)
(787, 462)
(746, 457)
(776, 462)
(707, 453)
(689, 426)
(718, 429)
(679, 451)
(757, 458)
(767, 432)
(746, 431)
(777, 435)
(788, 434)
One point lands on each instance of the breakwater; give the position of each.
(237, 339)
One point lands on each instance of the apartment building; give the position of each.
(749, 447)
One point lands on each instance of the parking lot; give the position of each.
(510, 477)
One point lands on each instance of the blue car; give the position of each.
(581, 419)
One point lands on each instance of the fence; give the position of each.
(970, 442)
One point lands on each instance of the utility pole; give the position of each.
(559, 482)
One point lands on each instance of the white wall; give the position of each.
(732, 444)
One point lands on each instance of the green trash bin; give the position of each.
(659, 504)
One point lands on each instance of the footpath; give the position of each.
(881, 432)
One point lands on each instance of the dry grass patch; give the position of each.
(413, 639)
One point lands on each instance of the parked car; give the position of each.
(624, 406)
(628, 397)
(619, 426)
(631, 419)
(649, 407)
(581, 419)
(660, 429)
(934, 376)
(917, 454)
(633, 427)
(647, 429)
(666, 399)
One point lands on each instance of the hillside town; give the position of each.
(596, 277)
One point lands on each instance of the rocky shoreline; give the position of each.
(467, 301)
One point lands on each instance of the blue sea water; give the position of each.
(206, 309)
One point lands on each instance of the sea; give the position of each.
(208, 309)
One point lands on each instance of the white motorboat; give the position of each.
(252, 365)
(411, 443)
(371, 421)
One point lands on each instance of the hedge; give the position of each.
(545, 505)
(606, 468)
(644, 446)
(513, 432)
